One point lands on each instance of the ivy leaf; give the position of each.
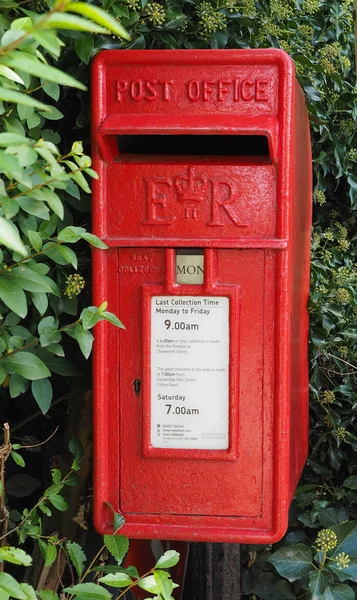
(89, 591)
(319, 580)
(77, 556)
(347, 538)
(117, 545)
(13, 296)
(338, 592)
(43, 394)
(292, 562)
(169, 559)
(26, 364)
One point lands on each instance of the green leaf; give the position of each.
(169, 559)
(347, 538)
(100, 16)
(164, 584)
(23, 61)
(48, 595)
(350, 482)
(7, 139)
(26, 364)
(15, 556)
(9, 237)
(13, 296)
(117, 545)
(10, 587)
(111, 318)
(116, 580)
(148, 584)
(17, 458)
(319, 580)
(77, 556)
(338, 592)
(33, 207)
(91, 591)
(10, 74)
(51, 555)
(58, 502)
(43, 394)
(31, 281)
(28, 591)
(71, 235)
(292, 562)
(7, 95)
(84, 339)
(60, 20)
(35, 240)
(41, 302)
(94, 241)
(84, 45)
(90, 317)
(69, 256)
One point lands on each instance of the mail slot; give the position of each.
(204, 199)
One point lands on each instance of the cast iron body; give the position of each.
(252, 216)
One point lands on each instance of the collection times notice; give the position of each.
(189, 372)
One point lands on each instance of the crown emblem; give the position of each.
(191, 187)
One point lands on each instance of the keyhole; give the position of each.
(137, 386)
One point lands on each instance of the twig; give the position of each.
(41, 443)
(5, 451)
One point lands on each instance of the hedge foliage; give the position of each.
(44, 53)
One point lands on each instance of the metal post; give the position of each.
(213, 572)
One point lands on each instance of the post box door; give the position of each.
(181, 483)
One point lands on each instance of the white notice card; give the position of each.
(190, 372)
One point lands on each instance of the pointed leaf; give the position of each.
(100, 16)
(9, 237)
(43, 394)
(7, 95)
(26, 364)
(23, 61)
(338, 592)
(117, 545)
(292, 562)
(90, 591)
(77, 556)
(116, 580)
(13, 296)
(169, 559)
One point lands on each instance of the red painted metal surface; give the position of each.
(251, 214)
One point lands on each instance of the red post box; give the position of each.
(204, 199)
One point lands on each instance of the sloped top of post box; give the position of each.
(183, 92)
